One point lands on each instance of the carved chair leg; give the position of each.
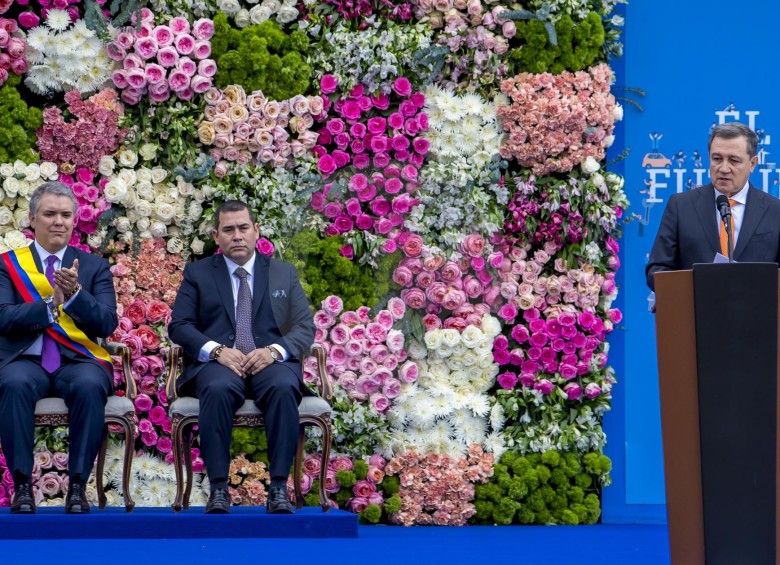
(188, 465)
(176, 432)
(101, 463)
(327, 440)
(127, 466)
(298, 465)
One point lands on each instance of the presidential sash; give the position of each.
(33, 285)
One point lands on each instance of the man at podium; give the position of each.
(691, 229)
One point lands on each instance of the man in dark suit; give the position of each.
(55, 301)
(690, 230)
(244, 323)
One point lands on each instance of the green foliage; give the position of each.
(261, 57)
(120, 13)
(579, 45)
(360, 468)
(372, 514)
(393, 504)
(18, 123)
(252, 442)
(346, 478)
(390, 486)
(323, 271)
(546, 488)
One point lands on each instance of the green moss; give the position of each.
(18, 124)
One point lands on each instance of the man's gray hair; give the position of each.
(54, 187)
(732, 130)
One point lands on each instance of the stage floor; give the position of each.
(472, 545)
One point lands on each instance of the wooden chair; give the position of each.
(120, 411)
(312, 411)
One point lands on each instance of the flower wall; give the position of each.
(433, 169)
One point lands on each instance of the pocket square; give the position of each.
(279, 293)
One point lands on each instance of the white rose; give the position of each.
(144, 208)
(286, 15)
(242, 18)
(3, 246)
(16, 240)
(122, 224)
(145, 190)
(259, 14)
(130, 199)
(19, 167)
(609, 140)
(159, 175)
(164, 211)
(127, 157)
(143, 224)
(127, 176)
(472, 336)
(95, 240)
(185, 188)
(195, 211)
(175, 245)
(115, 190)
(6, 216)
(148, 151)
(444, 350)
(198, 196)
(21, 218)
(590, 166)
(438, 371)
(132, 216)
(144, 175)
(450, 337)
(485, 359)
(617, 112)
(433, 339)
(600, 183)
(197, 246)
(491, 327)
(416, 350)
(106, 166)
(25, 189)
(32, 173)
(6, 169)
(272, 5)
(469, 358)
(230, 7)
(11, 186)
(178, 212)
(158, 230)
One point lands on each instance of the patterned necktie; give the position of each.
(724, 238)
(50, 351)
(244, 340)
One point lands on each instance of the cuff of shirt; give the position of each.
(281, 350)
(206, 350)
(71, 299)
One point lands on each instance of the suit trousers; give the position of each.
(85, 388)
(276, 393)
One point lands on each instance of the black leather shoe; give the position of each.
(219, 502)
(24, 501)
(76, 502)
(278, 502)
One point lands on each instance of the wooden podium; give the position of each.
(717, 334)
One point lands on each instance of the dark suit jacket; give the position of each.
(689, 232)
(204, 309)
(93, 309)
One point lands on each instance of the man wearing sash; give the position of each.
(55, 301)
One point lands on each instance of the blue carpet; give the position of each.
(243, 522)
(476, 545)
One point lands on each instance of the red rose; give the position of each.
(149, 338)
(136, 312)
(158, 312)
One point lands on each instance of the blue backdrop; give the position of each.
(700, 63)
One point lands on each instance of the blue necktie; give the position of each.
(50, 351)
(244, 340)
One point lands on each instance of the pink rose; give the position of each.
(328, 84)
(332, 305)
(203, 29)
(413, 297)
(180, 25)
(402, 86)
(507, 380)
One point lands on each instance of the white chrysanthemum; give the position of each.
(34, 56)
(416, 437)
(479, 405)
(153, 492)
(471, 430)
(64, 45)
(473, 104)
(38, 38)
(422, 413)
(494, 443)
(397, 416)
(81, 31)
(40, 79)
(441, 405)
(450, 109)
(497, 417)
(469, 141)
(58, 20)
(470, 122)
(91, 48)
(442, 431)
(145, 467)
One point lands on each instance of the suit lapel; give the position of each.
(224, 287)
(705, 211)
(260, 283)
(68, 258)
(755, 209)
(36, 257)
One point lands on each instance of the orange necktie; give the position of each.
(724, 240)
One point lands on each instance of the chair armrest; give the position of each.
(174, 358)
(325, 384)
(125, 355)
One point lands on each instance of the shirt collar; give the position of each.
(249, 266)
(740, 197)
(44, 255)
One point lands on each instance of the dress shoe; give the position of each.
(24, 502)
(278, 503)
(219, 502)
(76, 502)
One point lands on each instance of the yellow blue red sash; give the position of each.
(33, 285)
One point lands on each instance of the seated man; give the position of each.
(55, 300)
(244, 323)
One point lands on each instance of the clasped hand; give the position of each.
(65, 282)
(245, 365)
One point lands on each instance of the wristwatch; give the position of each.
(55, 312)
(275, 355)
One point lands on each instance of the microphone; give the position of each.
(723, 206)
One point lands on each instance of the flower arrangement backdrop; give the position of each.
(433, 168)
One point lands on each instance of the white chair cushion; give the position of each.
(116, 406)
(309, 406)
